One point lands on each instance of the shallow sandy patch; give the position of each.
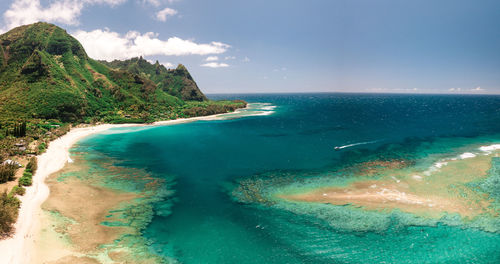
(442, 191)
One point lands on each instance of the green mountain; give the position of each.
(177, 82)
(46, 74)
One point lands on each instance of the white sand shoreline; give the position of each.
(19, 248)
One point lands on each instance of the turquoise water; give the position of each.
(198, 217)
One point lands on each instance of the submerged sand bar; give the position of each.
(439, 190)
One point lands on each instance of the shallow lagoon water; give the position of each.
(201, 221)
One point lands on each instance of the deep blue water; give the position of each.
(201, 161)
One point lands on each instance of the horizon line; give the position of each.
(345, 92)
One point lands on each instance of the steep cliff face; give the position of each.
(189, 90)
(177, 82)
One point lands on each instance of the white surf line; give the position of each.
(490, 148)
(254, 109)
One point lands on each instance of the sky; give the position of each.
(270, 46)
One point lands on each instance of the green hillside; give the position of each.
(177, 82)
(46, 74)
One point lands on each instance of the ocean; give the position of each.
(208, 185)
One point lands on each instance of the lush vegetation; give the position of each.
(32, 165)
(34, 141)
(26, 179)
(204, 108)
(17, 190)
(9, 205)
(7, 172)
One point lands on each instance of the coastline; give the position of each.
(19, 248)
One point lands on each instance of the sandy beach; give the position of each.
(20, 247)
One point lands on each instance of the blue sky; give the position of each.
(235, 46)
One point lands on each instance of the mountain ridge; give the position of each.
(177, 82)
(45, 73)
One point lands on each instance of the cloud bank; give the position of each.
(108, 45)
(67, 12)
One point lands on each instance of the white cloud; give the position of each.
(477, 89)
(230, 58)
(167, 64)
(158, 2)
(108, 45)
(152, 2)
(29, 11)
(246, 59)
(67, 12)
(109, 2)
(165, 13)
(215, 65)
(212, 58)
(377, 89)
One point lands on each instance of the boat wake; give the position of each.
(355, 144)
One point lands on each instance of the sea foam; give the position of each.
(467, 155)
(490, 148)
